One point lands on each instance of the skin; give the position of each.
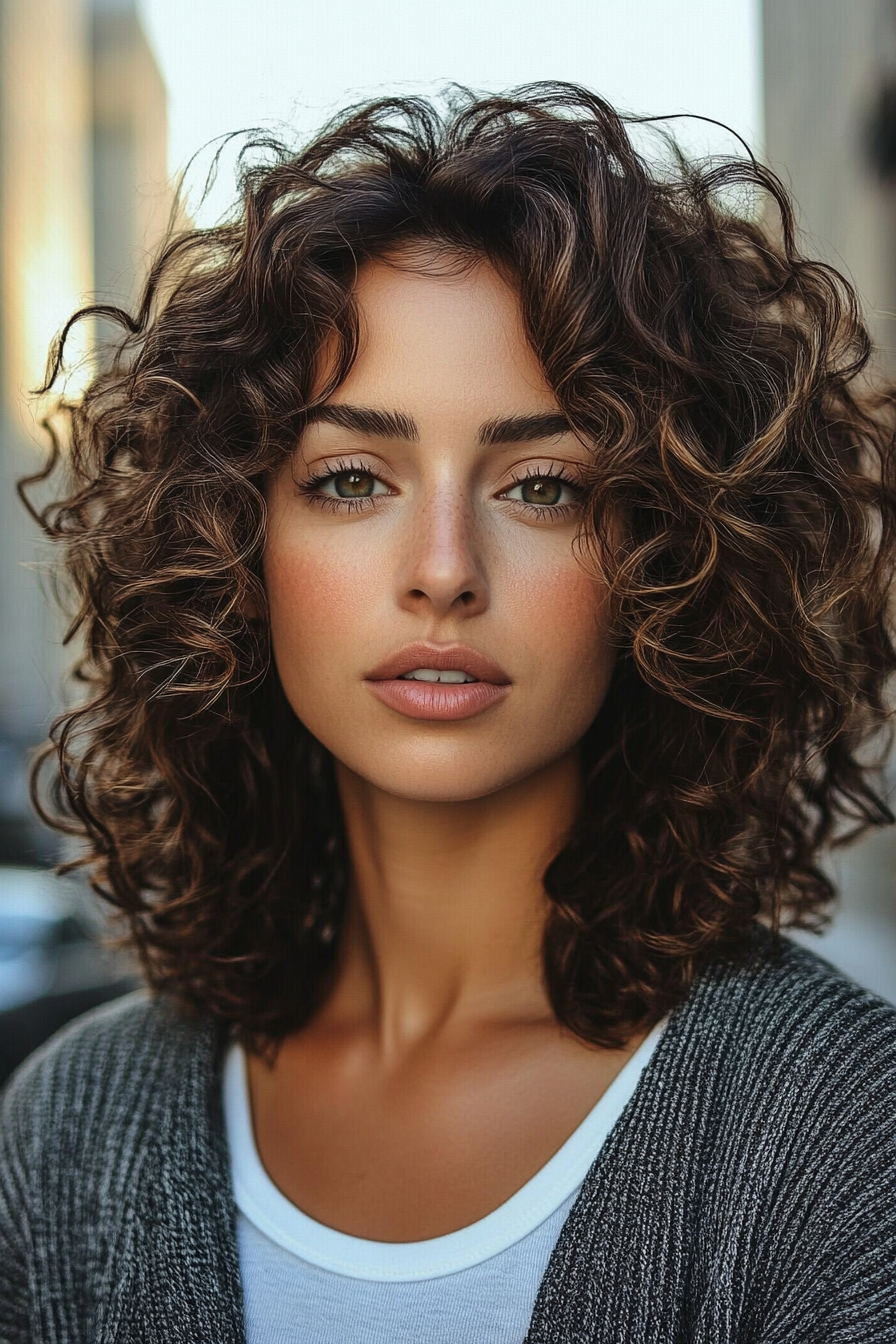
(435, 1080)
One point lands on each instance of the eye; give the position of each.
(543, 491)
(352, 484)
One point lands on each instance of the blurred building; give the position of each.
(131, 195)
(830, 132)
(83, 199)
(829, 73)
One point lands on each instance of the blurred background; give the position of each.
(105, 103)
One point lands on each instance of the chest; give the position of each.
(426, 1150)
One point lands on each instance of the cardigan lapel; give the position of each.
(186, 1287)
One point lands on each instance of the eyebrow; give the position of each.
(364, 420)
(395, 425)
(524, 428)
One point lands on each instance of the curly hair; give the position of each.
(738, 446)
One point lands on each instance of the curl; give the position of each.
(742, 467)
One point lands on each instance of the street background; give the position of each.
(105, 103)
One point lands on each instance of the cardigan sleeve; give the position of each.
(116, 1215)
(54, 1179)
(15, 1313)
(844, 1292)
(830, 1252)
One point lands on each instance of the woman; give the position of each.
(482, 548)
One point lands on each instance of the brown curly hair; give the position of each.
(739, 449)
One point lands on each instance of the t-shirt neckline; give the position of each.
(259, 1199)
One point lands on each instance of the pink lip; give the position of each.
(434, 699)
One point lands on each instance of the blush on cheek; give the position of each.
(321, 600)
(577, 639)
(310, 592)
(563, 611)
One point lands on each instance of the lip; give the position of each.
(442, 658)
(437, 700)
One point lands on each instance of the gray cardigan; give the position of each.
(747, 1193)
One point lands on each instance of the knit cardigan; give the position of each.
(747, 1194)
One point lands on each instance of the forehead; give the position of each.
(436, 332)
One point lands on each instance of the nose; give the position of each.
(442, 569)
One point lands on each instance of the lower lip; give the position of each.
(438, 700)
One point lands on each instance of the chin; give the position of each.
(432, 789)
(453, 778)
(429, 784)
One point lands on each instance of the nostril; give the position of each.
(466, 598)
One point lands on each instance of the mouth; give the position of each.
(448, 677)
(439, 682)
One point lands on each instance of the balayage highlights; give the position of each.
(741, 467)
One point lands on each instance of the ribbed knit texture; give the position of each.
(747, 1195)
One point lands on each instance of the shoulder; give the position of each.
(749, 1189)
(767, 1125)
(782, 1060)
(114, 1181)
(785, 1005)
(105, 1077)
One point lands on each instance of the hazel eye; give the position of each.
(353, 485)
(543, 491)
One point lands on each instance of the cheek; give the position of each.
(563, 612)
(318, 596)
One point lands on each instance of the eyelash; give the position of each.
(312, 491)
(540, 511)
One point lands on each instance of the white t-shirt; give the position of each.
(306, 1283)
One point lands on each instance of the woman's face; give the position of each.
(424, 529)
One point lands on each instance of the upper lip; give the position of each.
(442, 658)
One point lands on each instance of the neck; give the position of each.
(447, 905)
